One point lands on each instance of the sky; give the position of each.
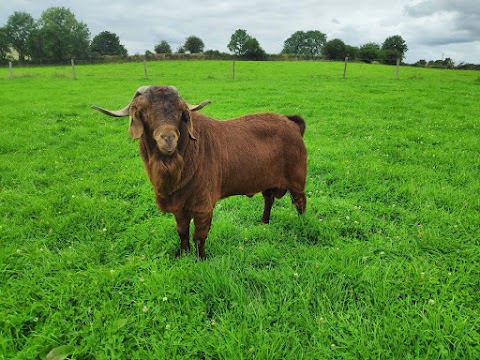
(432, 29)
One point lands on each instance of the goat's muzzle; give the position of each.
(167, 139)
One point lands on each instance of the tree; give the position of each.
(253, 51)
(422, 62)
(194, 45)
(237, 42)
(308, 43)
(334, 50)
(369, 52)
(18, 29)
(163, 48)
(449, 63)
(62, 35)
(107, 43)
(393, 48)
(351, 52)
(3, 45)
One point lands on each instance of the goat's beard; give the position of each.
(165, 173)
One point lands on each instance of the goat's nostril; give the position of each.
(168, 139)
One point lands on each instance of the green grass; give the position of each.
(385, 264)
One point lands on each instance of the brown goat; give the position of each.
(193, 160)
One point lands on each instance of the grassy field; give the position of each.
(385, 264)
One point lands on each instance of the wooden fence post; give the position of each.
(73, 70)
(10, 66)
(145, 68)
(345, 68)
(396, 72)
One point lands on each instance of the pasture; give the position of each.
(385, 264)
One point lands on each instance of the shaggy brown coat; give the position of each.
(193, 160)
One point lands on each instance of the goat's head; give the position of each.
(158, 111)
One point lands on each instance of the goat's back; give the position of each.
(254, 152)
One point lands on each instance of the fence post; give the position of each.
(145, 68)
(73, 70)
(345, 68)
(396, 72)
(10, 66)
(233, 69)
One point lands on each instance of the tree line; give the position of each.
(58, 36)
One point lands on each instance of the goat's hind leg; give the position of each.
(299, 200)
(269, 197)
(267, 207)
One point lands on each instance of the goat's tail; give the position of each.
(299, 121)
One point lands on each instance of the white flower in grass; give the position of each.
(112, 271)
(431, 302)
(296, 275)
(145, 309)
(165, 299)
(167, 327)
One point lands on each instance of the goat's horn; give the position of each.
(125, 111)
(116, 113)
(200, 106)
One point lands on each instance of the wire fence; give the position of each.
(145, 61)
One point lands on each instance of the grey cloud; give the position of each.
(460, 20)
(430, 7)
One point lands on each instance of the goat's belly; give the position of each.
(253, 189)
(252, 175)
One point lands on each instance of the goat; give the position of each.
(193, 160)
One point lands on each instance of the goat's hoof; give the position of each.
(181, 253)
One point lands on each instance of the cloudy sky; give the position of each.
(432, 29)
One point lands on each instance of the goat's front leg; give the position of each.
(183, 219)
(202, 223)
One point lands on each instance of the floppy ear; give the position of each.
(187, 117)
(136, 126)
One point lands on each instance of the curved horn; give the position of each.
(200, 106)
(125, 111)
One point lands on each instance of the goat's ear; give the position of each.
(187, 117)
(136, 127)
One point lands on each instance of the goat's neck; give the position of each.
(164, 172)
